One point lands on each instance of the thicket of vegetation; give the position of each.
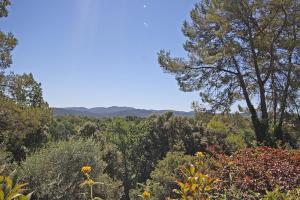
(238, 50)
(124, 152)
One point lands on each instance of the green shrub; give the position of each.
(217, 125)
(93, 189)
(229, 133)
(278, 195)
(234, 142)
(61, 130)
(6, 162)
(88, 130)
(164, 176)
(11, 190)
(114, 161)
(5, 157)
(192, 182)
(234, 193)
(54, 172)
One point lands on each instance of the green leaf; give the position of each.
(14, 196)
(180, 184)
(1, 179)
(8, 181)
(192, 169)
(29, 195)
(17, 188)
(1, 194)
(22, 197)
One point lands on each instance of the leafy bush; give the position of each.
(278, 195)
(5, 162)
(88, 130)
(229, 133)
(259, 170)
(89, 184)
(10, 189)
(217, 125)
(234, 193)
(114, 161)
(234, 142)
(164, 176)
(193, 183)
(22, 129)
(5, 156)
(54, 172)
(61, 130)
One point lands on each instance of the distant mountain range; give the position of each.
(114, 111)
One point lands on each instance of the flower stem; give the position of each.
(92, 193)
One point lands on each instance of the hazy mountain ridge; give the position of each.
(114, 111)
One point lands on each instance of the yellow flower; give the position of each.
(90, 182)
(199, 154)
(86, 169)
(146, 195)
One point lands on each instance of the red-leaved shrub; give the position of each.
(260, 169)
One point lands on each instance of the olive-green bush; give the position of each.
(279, 195)
(4, 156)
(54, 171)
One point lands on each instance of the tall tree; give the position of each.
(7, 44)
(242, 50)
(24, 115)
(123, 134)
(24, 90)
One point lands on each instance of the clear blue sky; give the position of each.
(100, 52)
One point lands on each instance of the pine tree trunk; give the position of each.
(283, 104)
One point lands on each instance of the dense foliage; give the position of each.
(73, 157)
(252, 173)
(54, 171)
(24, 115)
(163, 177)
(243, 50)
(23, 129)
(10, 189)
(134, 150)
(149, 151)
(260, 170)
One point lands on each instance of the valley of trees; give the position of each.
(238, 51)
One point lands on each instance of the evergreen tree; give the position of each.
(243, 50)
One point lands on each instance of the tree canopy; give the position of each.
(243, 50)
(24, 115)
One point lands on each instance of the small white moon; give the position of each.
(145, 6)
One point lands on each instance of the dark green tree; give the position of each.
(88, 130)
(7, 40)
(24, 90)
(242, 50)
(7, 44)
(22, 129)
(124, 134)
(24, 116)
